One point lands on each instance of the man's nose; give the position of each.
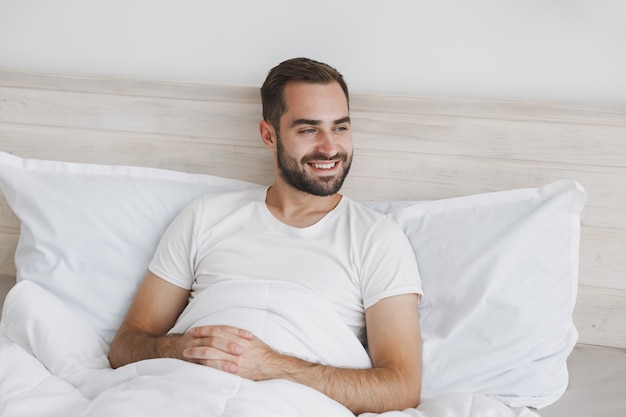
(327, 144)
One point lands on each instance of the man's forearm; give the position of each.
(131, 345)
(214, 346)
(361, 390)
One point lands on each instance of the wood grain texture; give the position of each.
(407, 148)
(6, 283)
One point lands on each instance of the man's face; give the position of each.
(314, 144)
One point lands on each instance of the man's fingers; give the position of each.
(220, 331)
(212, 358)
(208, 343)
(218, 347)
(212, 347)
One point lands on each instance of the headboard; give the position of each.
(406, 148)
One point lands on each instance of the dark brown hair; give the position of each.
(295, 69)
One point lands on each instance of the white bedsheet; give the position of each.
(53, 363)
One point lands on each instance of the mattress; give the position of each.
(597, 385)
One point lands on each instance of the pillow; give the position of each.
(66, 344)
(499, 270)
(500, 277)
(89, 231)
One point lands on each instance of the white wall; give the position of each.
(567, 50)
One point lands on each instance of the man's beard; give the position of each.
(294, 173)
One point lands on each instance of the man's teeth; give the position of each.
(328, 165)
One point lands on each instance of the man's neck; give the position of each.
(298, 208)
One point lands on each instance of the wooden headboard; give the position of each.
(406, 148)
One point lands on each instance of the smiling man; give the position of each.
(299, 230)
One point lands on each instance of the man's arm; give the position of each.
(154, 310)
(394, 382)
(394, 341)
(152, 313)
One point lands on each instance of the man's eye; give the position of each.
(307, 131)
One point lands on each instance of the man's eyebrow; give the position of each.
(299, 122)
(311, 122)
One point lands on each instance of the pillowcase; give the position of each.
(499, 270)
(89, 231)
(500, 278)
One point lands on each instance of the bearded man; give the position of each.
(300, 230)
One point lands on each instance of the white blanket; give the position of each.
(53, 363)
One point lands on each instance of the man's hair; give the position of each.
(294, 70)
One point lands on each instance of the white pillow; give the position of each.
(499, 270)
(500, 277)
(89, 231)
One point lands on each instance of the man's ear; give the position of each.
(268, 134)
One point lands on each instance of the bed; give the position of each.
(516, 212)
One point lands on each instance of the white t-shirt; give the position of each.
(352, 257)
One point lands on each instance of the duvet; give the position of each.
(53, 363)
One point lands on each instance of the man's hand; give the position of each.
(233, 350)
(219, 347)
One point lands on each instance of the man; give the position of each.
(357, 259)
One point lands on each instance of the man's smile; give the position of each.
(324, 166)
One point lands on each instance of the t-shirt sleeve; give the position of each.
(389, 264)
(173, 259)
